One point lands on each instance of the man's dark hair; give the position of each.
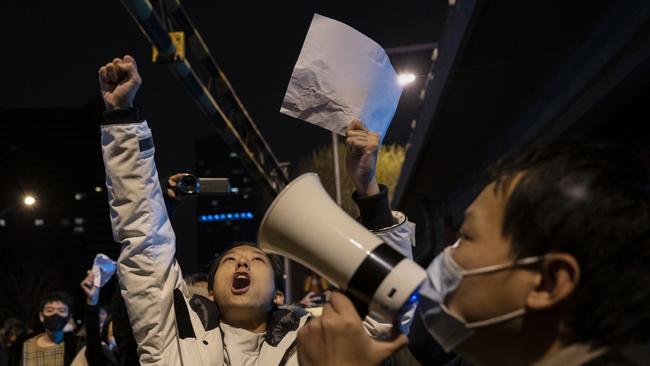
(62, 296)
(278, 278)
(590, 200)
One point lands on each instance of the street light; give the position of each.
(29, 200)
(405, 79)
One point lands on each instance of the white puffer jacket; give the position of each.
(171, 329)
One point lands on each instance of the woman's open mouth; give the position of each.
(240, 283)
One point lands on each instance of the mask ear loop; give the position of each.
(497, 320)
(498, 267)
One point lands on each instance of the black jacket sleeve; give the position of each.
(94, 353)
(375, 211)
(16, 350)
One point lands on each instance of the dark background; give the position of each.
(49, 114)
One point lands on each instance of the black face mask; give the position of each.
(54, 323)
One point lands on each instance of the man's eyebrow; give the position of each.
(225, 256)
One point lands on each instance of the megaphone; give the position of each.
(304, 224)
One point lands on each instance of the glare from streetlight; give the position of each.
(405, 79)
(29, 200)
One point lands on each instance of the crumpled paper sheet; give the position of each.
(103, 269)
(341, 75)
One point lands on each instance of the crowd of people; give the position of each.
(105, 338)
(551, 267)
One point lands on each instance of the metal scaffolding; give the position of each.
(208, 86)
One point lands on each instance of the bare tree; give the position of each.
(27, 277)
(389, 166)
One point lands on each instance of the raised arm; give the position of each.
(372, 199)
(94, 354)
(147, 270)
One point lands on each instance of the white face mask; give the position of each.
(444, 277)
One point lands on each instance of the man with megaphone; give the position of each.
(550, 268)
(243, 326)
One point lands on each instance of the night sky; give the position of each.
(52, 50)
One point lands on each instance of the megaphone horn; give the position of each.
(304, 224)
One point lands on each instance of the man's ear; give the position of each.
(41, 317)
(278, 298)
(559, 277)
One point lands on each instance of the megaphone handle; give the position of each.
(362, 307)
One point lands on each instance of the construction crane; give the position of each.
(169, 29)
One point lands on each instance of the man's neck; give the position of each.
(574, 354)
(249, 326)
(505, 346)
(252, 323)
(569, 355)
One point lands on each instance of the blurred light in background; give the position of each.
(227, 217)
(405, 79)
(29, 200)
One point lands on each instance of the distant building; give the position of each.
(54, 155)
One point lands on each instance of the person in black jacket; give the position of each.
(12, 330)
(114, 343)
(97, 353)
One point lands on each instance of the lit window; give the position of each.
(39, 222)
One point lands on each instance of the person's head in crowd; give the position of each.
(12, 329)
(197, 284)
(553, 255)
(103, 315)
(246, 286)
(56, 310)
(197, 279)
